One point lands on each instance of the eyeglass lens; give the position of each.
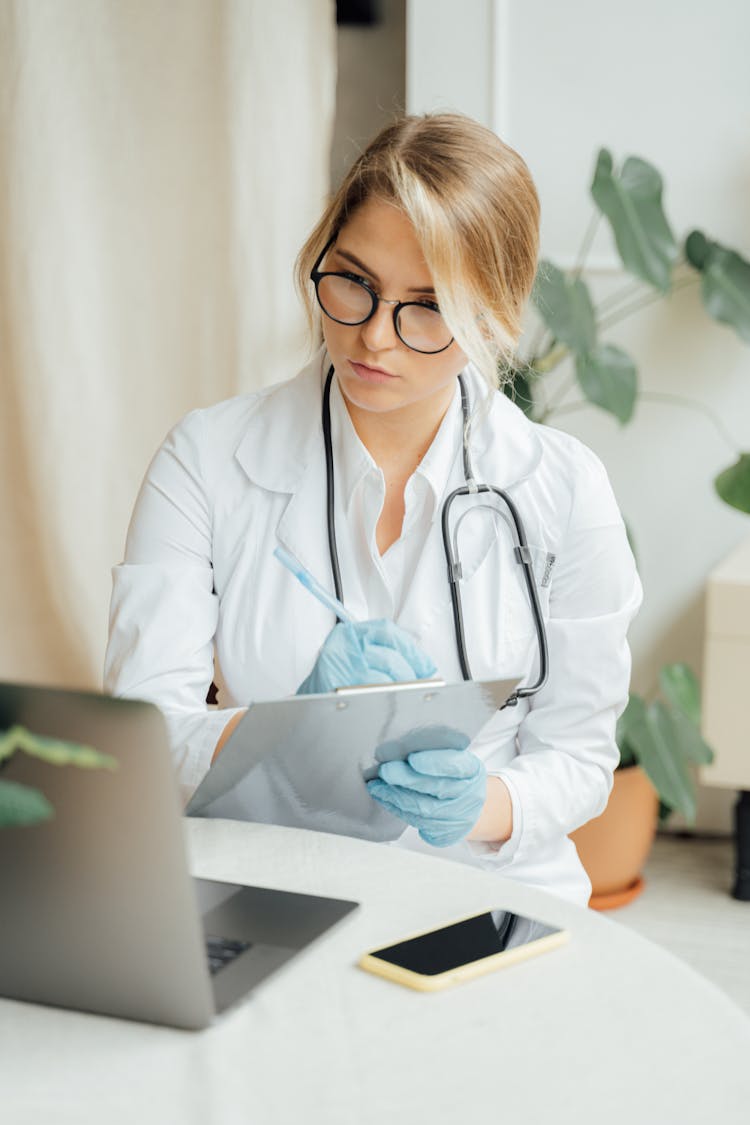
(349, 302)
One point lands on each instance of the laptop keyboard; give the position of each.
(222, 951)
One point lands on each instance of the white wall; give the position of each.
(370, 84)
(668, 82)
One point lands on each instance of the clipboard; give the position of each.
(304, 761)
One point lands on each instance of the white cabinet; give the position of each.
(726, 671)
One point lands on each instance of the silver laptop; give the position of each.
(97, 909)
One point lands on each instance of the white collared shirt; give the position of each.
(360, 493)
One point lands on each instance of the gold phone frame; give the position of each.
(423, 982)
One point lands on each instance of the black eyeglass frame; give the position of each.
(317, 275)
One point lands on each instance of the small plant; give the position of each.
(572, 325)
(663, 738)
(22, 805)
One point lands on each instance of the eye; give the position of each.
(358, 279)
(428, 305)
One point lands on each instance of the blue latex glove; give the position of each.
(366, 652)
(440, 792)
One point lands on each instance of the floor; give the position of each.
(687, 907)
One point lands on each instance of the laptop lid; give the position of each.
(98, 910)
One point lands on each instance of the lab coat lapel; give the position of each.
(282, 450)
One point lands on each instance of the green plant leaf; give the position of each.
(659, 747)
(725, 282)
(607, 377)
(53, 750)
(518, 388)
(627, 755)
(696, 249)
(664, 813)
(681, 690)
(20, 805)
(632, 204)
(691, 741)
(733, 484)
(566, 307)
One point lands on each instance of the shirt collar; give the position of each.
(354, 461)
(281, 438)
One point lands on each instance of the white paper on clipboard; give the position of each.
(303, 761)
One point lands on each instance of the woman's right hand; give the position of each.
(366, 652)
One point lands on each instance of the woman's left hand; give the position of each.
(440, 792)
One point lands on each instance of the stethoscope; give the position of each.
(521, 549)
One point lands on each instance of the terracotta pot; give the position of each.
(614, 846)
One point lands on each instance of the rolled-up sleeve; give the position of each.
(164, 612)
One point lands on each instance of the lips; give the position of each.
(370, 374)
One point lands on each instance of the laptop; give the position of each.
(97, 909)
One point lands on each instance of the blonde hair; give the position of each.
(475, 212)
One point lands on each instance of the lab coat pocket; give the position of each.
(499, 614)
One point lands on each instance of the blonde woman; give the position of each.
(416, 279)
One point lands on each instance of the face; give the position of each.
(377, 372)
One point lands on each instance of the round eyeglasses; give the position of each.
(348, 299)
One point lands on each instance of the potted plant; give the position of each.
(658, 740)
(22, 805)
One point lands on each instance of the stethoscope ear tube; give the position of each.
(332, 548)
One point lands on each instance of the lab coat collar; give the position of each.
(284, 432)
(284, 435)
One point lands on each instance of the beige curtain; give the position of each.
(160, 164)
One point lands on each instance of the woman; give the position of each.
(417, 273)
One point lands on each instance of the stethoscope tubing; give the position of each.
(523, 556)
(521, 548)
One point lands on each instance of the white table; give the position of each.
(608, 1028)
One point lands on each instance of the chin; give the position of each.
(375, 398)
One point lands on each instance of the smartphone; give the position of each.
(463, 950)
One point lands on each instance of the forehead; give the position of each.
(383, 238)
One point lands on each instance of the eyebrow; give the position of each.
(365, 269)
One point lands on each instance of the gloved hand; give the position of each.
(366, 652)
(440, 792)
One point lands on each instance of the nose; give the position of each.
(379, 332)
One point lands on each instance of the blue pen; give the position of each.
(302, 575)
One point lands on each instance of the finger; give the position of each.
(391, 663)
(405, 776)
(374, 676)
(412, 819)
(441, 839)
(405, 801)
(445, 763)
(384, 632)
(389, 807)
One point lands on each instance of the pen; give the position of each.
(311, 584)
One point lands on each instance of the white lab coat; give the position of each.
(200, 595)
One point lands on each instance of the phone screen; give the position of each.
(473, 939)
